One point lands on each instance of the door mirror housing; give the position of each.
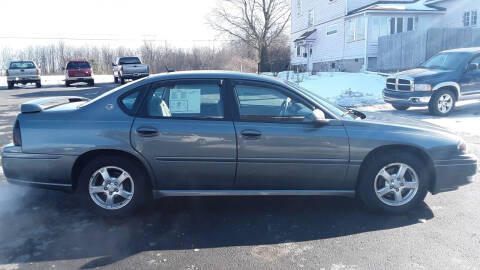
(472, 67)
(317, 117)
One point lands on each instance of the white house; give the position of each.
(343, 34)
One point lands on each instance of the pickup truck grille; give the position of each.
(399, 84)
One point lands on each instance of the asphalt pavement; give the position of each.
(42, 229)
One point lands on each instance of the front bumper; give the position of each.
(38, 170)
(407, 98)
(24, 79)
(134, 76)
(454, 173)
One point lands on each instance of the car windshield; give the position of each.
(334, 108)
(22, 65)
(447, 60)
(129, 61)
(76, 65)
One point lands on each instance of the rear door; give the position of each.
(279, 149)
(183, 131)
(470, 82)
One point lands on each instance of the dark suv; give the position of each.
(439, 83)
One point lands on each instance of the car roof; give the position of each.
(472, 50)
(213, 74)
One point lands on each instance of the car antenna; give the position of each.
(169, 70)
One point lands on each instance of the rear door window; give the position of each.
(129, 60)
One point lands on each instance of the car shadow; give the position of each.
(51, 226)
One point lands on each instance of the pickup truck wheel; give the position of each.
(115, 79)
(122, 80)
(11, 85)
(38, 84)
(91, 83)
(67, 84)
(393, 183)
(113, 186)
(400, 107)
(442, 103)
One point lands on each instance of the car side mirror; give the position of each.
(472, 67)
(317, 117)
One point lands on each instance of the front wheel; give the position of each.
(442, 103)
(400, 107)
(122, 80)
(394, 182)
(114, 186)
(115, 79)
(91, 83)
(11, 85)
(38, 84)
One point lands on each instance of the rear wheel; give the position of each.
(38, 84)
(400, 107)
(442, 103)
(394, 182)
(11, 85)
(67, 84)
(115, 79)
(91, 83)
(114, 186)
(122, 80)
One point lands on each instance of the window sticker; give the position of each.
(185, 100)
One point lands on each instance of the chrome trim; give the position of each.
(397, 83)
(196, 193)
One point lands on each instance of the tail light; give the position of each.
(17, 135)
(38, 71)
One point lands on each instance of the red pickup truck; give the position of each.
(78, 71)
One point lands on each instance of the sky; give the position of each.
(122, 22)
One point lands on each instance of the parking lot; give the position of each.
(42, 229)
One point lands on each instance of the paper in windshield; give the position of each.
(185, 100)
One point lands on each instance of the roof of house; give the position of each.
(305, 35)
(415, 5)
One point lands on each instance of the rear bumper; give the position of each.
(24, 79)
(38, 170)
(407, 98)
(134, 76)
(79, 79)
(454, 173)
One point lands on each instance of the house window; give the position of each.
(410, 24)
(298, 51)
(360, 28)
(311, 15)
(399, 25)
(350, 30)
(299, 8)
(392, 26)
(379, 28)
(474, 18)
(332, 29)
(466, 19)
(311, 51)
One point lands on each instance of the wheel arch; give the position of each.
(83, 159)
(400, 148)
(453, 86)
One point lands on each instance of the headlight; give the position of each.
(462, 147)
(423, 87)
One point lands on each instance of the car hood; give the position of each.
(403, 122)
(420, 73)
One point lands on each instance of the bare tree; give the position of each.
(257, 23)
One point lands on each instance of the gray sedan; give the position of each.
(224, 134)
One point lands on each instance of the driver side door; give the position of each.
(278, 148)
(470, 81)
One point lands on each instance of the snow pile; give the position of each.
(343, 88)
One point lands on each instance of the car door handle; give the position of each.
(147, 131)
(251, 133)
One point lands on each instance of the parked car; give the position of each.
(78, 71)
(129, 68)
(439, 83)
(228, 134)
(23, 72)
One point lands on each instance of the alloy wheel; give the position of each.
(445, 103)
(111, 187)
(396, 184)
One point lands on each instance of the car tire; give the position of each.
(399, 195)
(38, 84)
(11, 85)
(92, 186)
(442, 103)
(67, 84)
(91, 83)
(122, 80)
(115, 79)
(400, 107)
